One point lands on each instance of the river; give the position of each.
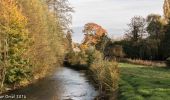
(65, 84)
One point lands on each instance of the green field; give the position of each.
(144, 83)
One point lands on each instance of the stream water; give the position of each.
(65, 84)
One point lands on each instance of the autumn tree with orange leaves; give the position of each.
(95, 35)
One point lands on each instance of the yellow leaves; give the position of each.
(13, 25)
(83, 47)
(11, 15)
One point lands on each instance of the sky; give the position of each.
(112, 15)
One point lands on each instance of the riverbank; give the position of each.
(32, 80)
(32, 42)
(103, 73)
(139, 82)
(65, 84)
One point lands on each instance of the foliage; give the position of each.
(15, 75)
(69, 41)
(47, 35)
(155, 26)
(95, 38)
(31, 40)
(105, 73)
(166, 9)
(62, 10)
(136, 29)
(165, 42)
(93, 33)
(14, 42)
(150, 47)
(113, 51)
(143, 83)
(93, 55)
(76, 58)
(102, 43)
(168, 61)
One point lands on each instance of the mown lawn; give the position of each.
(144, 83)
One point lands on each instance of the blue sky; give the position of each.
(113, 15)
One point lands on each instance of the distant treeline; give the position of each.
(146, 38)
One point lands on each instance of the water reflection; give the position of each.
(65, 84)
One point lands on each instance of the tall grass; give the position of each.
(106, 75)
(144, 62)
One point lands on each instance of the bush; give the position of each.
(168, 62)
(105, 73)
(15, 43)
(76, 58)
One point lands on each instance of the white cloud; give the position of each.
(112, 14)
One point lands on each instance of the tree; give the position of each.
(69, 41)
(47, 46)
(31, 41)
(113, 51)
(136, 29)
(93, 33)
(166, 8)
(95, 36)
(101, 45)
(155, 26)
(148, 49)
(165, 43)
(15, 43)
(62, 11)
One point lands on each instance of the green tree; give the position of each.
(155, 26)
(165, 43)
(136, 29)
(15, 43)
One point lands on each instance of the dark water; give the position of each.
(65, 84)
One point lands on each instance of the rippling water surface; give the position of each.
(65, 84)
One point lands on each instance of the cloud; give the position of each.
(112, 14)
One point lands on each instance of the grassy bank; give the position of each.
(144, 83)
(143, 62)
(105, 75)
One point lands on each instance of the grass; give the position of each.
(139, 82)
(144, 62)
(105, 75)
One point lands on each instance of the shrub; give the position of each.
(76, 58)
(31, 41)
(15, 42)
(168, 62)
(105, 73)
(114, 51)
